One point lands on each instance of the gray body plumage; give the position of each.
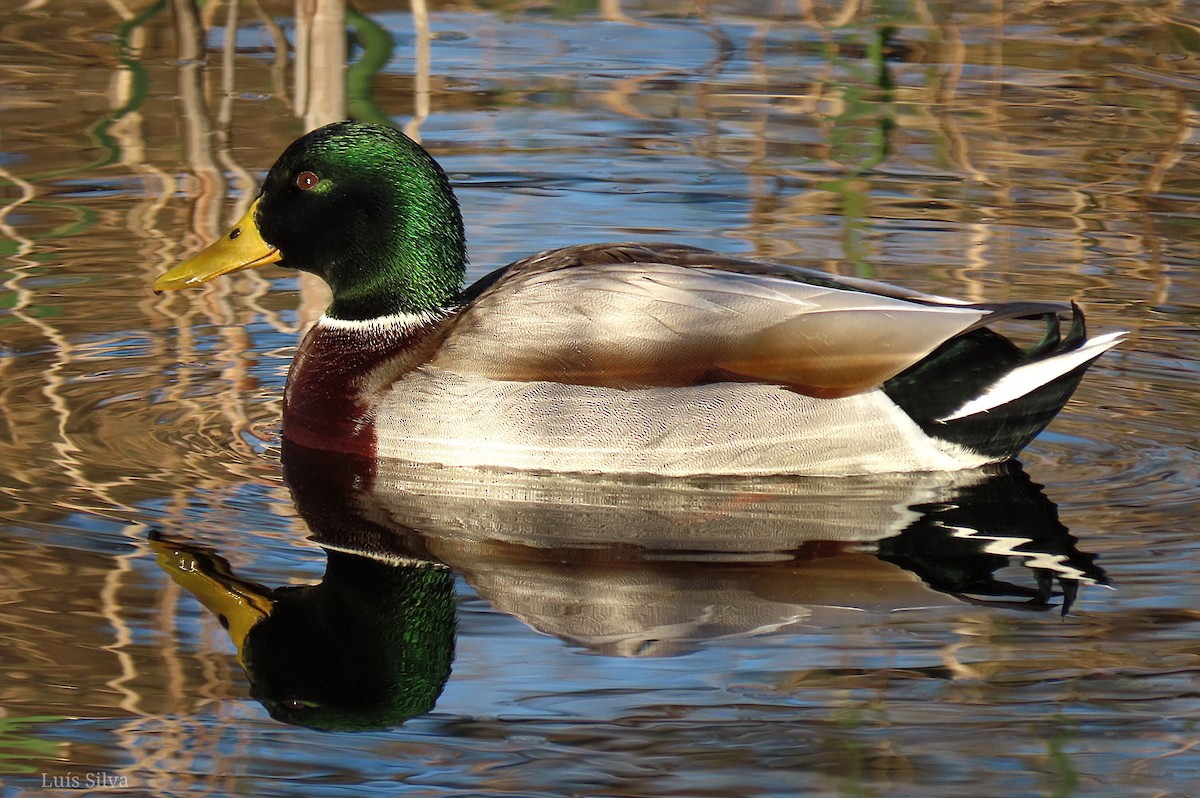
(675, 361)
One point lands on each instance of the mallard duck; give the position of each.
(638, 357)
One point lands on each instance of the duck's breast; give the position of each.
(336, 378)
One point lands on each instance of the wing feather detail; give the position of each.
(642, 324)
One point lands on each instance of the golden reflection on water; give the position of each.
(988, 151)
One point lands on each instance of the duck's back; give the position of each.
(637, 316)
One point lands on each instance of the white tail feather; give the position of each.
(1031, 376)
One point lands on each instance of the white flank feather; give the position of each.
(1031, 376)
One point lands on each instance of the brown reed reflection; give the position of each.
(59, 437)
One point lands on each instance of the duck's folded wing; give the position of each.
(648, 324)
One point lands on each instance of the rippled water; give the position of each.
(583, 637)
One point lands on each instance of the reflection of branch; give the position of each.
(619, 97)
(279, 85)
(320, 99)
(225, 116)
(944, 92)
(28, 192)
(846, 15)
(204, 154)
(321, 61)
(139, 89)
(420, 14)
(116, 5)
(127, 130)
(1186, 123)
(610, 11)
(18, 297)
(190, 37)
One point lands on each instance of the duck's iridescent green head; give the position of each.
(363, 207)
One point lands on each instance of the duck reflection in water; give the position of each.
(617, 566)
(368, 647)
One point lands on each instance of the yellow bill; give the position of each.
(241, 248)
(237, 603)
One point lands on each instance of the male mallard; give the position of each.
(630, 357)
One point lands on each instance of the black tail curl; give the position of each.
(967, 365)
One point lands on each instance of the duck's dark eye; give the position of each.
(306, 180)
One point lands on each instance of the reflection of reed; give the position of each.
(320, 61)
(420, 14)
(54, 425)
(320, 99)
(988, 143)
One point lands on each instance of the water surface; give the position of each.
(612, 638)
